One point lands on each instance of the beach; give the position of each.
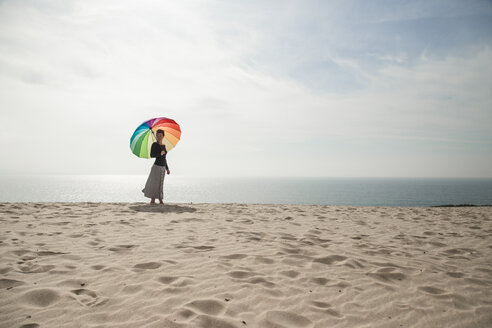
(244, 265)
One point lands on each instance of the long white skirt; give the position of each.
(154, 188)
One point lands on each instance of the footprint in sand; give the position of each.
(293, 250)
(388, 274)
(207, 321)
(455, 252)
(132, 289)
(321, 305)
(290, 273)
(286, 320)
(30, 325)
(354, 264)
(455, 274)
(83, 291)
(10, 283)
(207, 306)
(35, 268)
(184, 282)
(177, 282)
(74, 283)
(431, 290)
(49, 253)
(41, 297)
(185, 315)
(148, 265)
(320, 281)
(286, 236)
(122, 248)
(21, 252)
(167, 279)
(264, 260)
(241, 274)
(87, 297)
(203, 248)
(328, 260)
(234, 256)
(326, 307)
(261, 281)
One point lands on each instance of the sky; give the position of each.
(259, 88)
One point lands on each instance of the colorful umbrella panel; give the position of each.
(144, 136)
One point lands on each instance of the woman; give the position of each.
(155, 183)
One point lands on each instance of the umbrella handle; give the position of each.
(153, 134)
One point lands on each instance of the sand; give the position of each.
(235, 265)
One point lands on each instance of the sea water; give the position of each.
(260, 190)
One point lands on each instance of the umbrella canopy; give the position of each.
(144, 136)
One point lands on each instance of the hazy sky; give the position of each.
(260, 88)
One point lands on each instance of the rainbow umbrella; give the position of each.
(144, 136)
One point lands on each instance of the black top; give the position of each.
(155, 152)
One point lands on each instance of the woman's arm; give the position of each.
(165, 160)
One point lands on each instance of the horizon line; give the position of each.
(3, 174)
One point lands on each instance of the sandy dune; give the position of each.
(220, 265)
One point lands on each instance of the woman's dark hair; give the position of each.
(159, 131)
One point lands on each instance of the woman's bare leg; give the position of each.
(160, 201)
(152, 201)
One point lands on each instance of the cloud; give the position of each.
(259, 88)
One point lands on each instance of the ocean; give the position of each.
(315, 191)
